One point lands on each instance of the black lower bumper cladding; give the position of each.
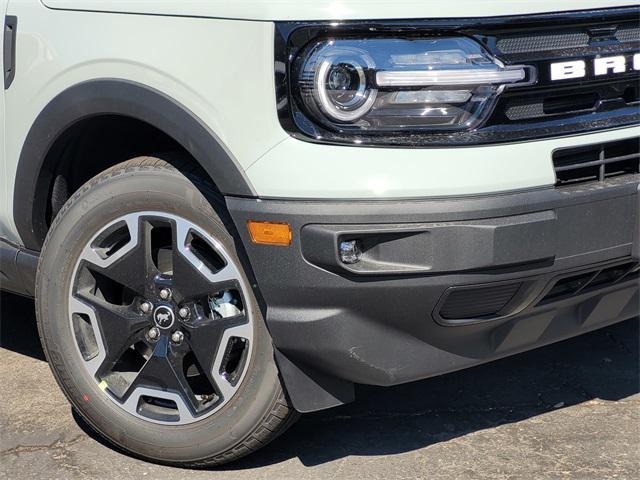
(442, 284)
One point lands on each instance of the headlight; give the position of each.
(340, 84)
(397, 84)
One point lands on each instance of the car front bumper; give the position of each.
(443, 284)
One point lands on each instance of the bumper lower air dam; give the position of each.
(443, 284)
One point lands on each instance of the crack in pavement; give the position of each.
(56, 445)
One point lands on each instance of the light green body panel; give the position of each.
(298, 169)
(209, 58)
(220, 70)
(334, 9)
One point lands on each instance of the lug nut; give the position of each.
(184, 312)
(177, 337)
(165, 294)
(146, 307)
(153, 333)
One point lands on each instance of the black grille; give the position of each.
(596, 162)
(478, 302)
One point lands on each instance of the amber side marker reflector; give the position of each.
(269, 233)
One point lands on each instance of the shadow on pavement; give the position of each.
(599, 365)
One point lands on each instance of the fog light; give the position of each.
(350, 251)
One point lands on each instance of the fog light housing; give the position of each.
(350, 251)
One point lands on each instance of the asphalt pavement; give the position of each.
(569, 410)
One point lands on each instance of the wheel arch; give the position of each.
(112, 97)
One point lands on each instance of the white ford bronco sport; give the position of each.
(229, 212)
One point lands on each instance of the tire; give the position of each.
(75, 305)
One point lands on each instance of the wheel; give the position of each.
(150, 324)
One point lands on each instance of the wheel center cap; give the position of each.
(163, 316)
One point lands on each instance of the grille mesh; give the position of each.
(478, 302)
(559, 41)
(626, 35)
(524, 111)
(551, 105)
(541, 43)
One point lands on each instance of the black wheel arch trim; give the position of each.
(113, 97)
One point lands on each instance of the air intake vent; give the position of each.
(596, 162)
(478, 302)
(592, 279)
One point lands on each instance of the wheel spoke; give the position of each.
(120, 326)
(133, 269)
(192, 278)
(163, 371)
(190, 282)
(207, 339)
